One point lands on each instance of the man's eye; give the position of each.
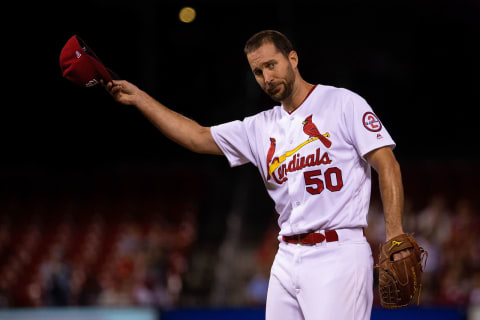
(257, 72)
(271, 65)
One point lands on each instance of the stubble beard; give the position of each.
(279, 95)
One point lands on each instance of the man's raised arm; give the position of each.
(173, 125)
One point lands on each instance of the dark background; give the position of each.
(415, 62)
(72, 151)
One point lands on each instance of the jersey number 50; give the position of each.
(332, 177)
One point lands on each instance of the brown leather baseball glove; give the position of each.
(400, 281)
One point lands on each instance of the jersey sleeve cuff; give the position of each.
(232, 160)
(373, 147)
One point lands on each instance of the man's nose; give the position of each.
(268, 77)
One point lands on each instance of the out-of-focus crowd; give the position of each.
(146, 251)
(449, 232)
(95, 259)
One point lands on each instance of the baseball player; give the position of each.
(314, 152)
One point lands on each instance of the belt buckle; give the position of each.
(299, 239)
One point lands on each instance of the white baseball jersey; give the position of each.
(312, 160)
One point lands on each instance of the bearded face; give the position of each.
(281, 89)
(273, 71)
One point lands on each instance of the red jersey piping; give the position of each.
(311, 90)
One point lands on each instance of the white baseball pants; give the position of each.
(327, 281)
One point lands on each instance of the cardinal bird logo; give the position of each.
(311, 130)
(271, 152)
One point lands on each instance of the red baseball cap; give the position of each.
(81, 65)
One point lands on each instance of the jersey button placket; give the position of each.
(290, 123)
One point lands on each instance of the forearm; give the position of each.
(391, 190)
(178, 128)
(173, 125)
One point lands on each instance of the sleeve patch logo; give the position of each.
(371, 122)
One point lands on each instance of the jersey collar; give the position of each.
(308, 94)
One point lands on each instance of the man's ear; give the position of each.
(293, 58)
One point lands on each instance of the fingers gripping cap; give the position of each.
(81, 65)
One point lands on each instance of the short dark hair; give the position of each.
(279, 40)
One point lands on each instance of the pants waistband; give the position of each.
(315, 237)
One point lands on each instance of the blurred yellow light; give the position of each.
(187, 14)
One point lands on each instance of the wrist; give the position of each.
(393, 231)
(141, 99)
(390, 234)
